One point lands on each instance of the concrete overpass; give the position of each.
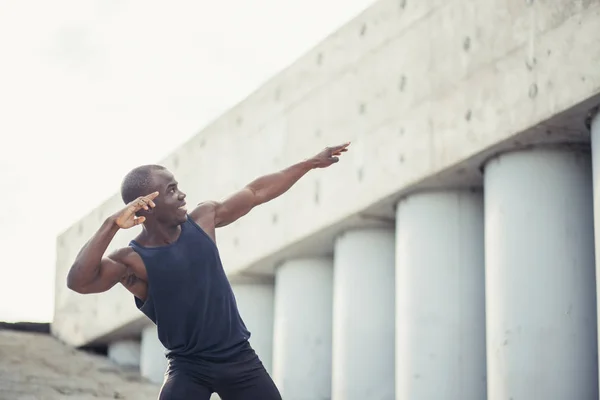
(450, 255)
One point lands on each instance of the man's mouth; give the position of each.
(183, 207)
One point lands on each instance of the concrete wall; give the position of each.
(425, 90)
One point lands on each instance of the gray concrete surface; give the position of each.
(302, 328)
(540, 276)
(362, 362)
(36, 366)
(440, 302)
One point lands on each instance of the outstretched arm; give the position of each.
(93, 273)
(265, 188)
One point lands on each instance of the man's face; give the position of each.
(170, 203)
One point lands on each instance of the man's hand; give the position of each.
(126, 218)
(328, 156)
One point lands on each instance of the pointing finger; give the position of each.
(338, 153)
(151, 196)
(148, 200)
(141, 203)
(341, 147)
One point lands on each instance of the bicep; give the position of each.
(109, 274)
(213, 214)
(234, 207)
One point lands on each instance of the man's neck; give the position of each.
(156, 234)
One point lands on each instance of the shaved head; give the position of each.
(138, 182)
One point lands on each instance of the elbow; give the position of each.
(73, 283)
(77, 288)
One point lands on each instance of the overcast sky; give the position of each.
(91, 88)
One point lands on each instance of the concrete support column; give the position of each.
(595, 127)
(153, 363)
(540, 278)
(440, 297)
(255, 303)
(363, 315)
(125, 353)
(302, 335)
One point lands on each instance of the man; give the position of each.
(173, 269)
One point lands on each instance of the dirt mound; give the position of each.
(36, 366)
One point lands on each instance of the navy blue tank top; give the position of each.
(189, 297)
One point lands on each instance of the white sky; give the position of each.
(91, 88)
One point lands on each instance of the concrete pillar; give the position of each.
(125, 353)
(595, 127)
(302, 336)
(363, 315)
(153, 363)
(540, 278)
(255, 303)
(440, 297)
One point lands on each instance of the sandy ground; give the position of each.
(36, 366)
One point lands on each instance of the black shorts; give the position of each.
(241, 377)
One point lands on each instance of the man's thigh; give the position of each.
(181, 386)
(253, 385)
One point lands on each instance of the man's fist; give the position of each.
(126, 218)
(329, 156)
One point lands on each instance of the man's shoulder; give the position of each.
(204, 216)
(204, 207)
(123, 254)
(204, 211)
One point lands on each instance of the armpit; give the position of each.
(134, 284)
(129, 279)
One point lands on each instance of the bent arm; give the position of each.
(257, 192)
(91, 272)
